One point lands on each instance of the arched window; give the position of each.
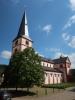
(68, 66)
(46, 74)
(61, 66)
(55, 75)
(58, 75)
(27, 42)
(51, 74)
(16, 50)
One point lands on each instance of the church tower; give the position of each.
(22, 39)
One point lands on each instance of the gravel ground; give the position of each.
(68, 94)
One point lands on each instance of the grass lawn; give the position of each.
(59, 86)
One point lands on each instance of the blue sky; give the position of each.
(51, 26)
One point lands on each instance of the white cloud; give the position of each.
(58, 54)
(71, 57)
(70, 22)
(72, 42)
(72, 4)
(39, 54)
(47, 28)
(66, 36)
(52, 49)
(6, 54)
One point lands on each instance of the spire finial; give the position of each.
(61, 56)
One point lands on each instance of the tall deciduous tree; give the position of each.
(25, 69)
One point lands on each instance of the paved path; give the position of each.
(68, 94)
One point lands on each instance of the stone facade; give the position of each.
(20, 44)
(63, 64)
(52, 77)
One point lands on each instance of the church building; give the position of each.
(55, 70)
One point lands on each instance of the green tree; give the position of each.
(11, 74)
(25, 69)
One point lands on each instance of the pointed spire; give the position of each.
(23, 30)
(26, 26)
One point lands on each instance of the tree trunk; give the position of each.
(28, 89)
(16, 88)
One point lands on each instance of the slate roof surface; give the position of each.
(21, 32)
(60, 60)
(47, 60)
(51, 69)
